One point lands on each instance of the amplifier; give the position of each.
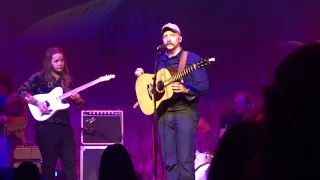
(90, 157)
(27, 151)
(101, 127)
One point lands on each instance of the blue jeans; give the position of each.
(177, 135)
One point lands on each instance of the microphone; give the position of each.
(161, 46)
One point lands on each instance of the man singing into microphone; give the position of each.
(178, 116)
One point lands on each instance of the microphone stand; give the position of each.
(154, 125)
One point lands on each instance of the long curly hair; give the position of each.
(47, 68)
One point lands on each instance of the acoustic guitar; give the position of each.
(163, 91)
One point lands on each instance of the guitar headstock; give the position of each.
(204, 62)
(107, 77)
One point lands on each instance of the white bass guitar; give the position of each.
(53, 100)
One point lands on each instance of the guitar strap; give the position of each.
(182, 62)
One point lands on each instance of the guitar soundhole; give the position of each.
(160, 87)
(159, 91)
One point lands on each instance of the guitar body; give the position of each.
(51, 100)
(165, 78)
(144, 84)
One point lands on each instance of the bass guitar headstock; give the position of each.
(107, 77)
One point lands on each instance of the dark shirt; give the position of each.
(37, 84)
(230, 119)
(197, 82)
(13, 106)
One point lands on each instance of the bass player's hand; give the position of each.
(43, 108)
(138, 72)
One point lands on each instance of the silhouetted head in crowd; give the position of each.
(292, 106)
(295, 90)
(236, 150)
(289, 47)
(242, 101)
(116, 163)
(27, 171)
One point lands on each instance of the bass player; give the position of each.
(54, 136)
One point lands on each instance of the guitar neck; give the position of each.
(180, 75)
(83, 87)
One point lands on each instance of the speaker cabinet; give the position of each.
(90, 157)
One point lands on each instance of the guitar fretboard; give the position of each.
(83, 87)
(180, 74)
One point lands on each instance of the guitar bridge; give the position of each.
(149, 88)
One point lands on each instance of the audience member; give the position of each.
(116, 163)
(292, 113)
(27, 171)
(237, 149)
